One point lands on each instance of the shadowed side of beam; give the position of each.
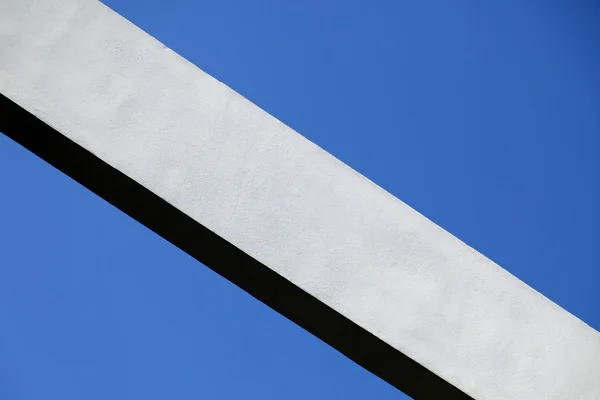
(222, 257)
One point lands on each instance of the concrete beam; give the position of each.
(250, 198)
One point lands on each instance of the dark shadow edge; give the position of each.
(222, 257)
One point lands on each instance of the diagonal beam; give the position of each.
(189, 158)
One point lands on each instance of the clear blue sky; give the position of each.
(484, 116)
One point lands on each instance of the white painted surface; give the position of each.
(128, 99)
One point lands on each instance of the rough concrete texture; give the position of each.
(128, 99)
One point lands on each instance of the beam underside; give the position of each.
(221, 256)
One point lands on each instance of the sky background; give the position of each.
(484, 116)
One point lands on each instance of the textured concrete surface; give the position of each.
(234, 169)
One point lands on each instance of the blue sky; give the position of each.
(484, 116)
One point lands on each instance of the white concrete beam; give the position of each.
(252, 199)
